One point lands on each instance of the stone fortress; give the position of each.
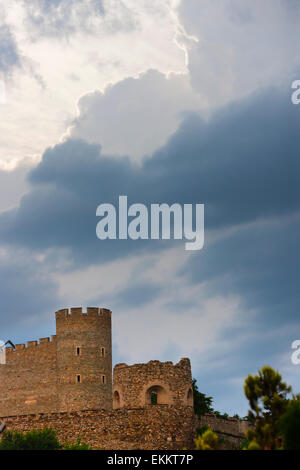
(66, 382)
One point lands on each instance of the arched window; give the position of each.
(116, 399)
(189, 398)
(153, 398)
(157, 395)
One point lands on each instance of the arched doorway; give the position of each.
(116, 399)
(157, 395)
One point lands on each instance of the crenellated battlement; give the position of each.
(69, 371)
(32, 344)
(77, 312)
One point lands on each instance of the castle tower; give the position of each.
(84, 359)
(161, 383)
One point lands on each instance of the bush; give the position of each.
(207, 441)
(201, 430)
(44, 439)
(77, 445)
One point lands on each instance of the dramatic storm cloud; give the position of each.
(242, 165)
(163, 101)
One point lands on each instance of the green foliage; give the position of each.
(253, 445)
(44, 439)
(78, 445)
(207, 441)
(267, 395)
(202, 403)
(221, 415)
(289, 426)
(244, 444)
(201, 429)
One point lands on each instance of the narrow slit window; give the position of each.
(103, 379)
(78, 351)
(102, 352)
(78, 377)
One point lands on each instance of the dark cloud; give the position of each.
(25, 291)
(243, 165)
(260, 263)
(9, 54)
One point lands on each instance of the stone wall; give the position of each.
(231, 431)
(172, 384)
(153, 427)
(28, 380)
(71, 372)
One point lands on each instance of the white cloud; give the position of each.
(136, 115)
(148, 332)
(196, 333)
(41, 105)
(241, 46)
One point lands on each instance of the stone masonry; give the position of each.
(71, 372)
(152, 427)
(133, 385)
(66, 383)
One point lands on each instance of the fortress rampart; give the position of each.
(71, 372)
(65, 382)
(28, 380)
(150, 427)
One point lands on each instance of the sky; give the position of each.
(165, 101)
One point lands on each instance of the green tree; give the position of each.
(267, 396)
(207, 441)
(289, 425)
(202, 403)
(44, 439)
(220, 415)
